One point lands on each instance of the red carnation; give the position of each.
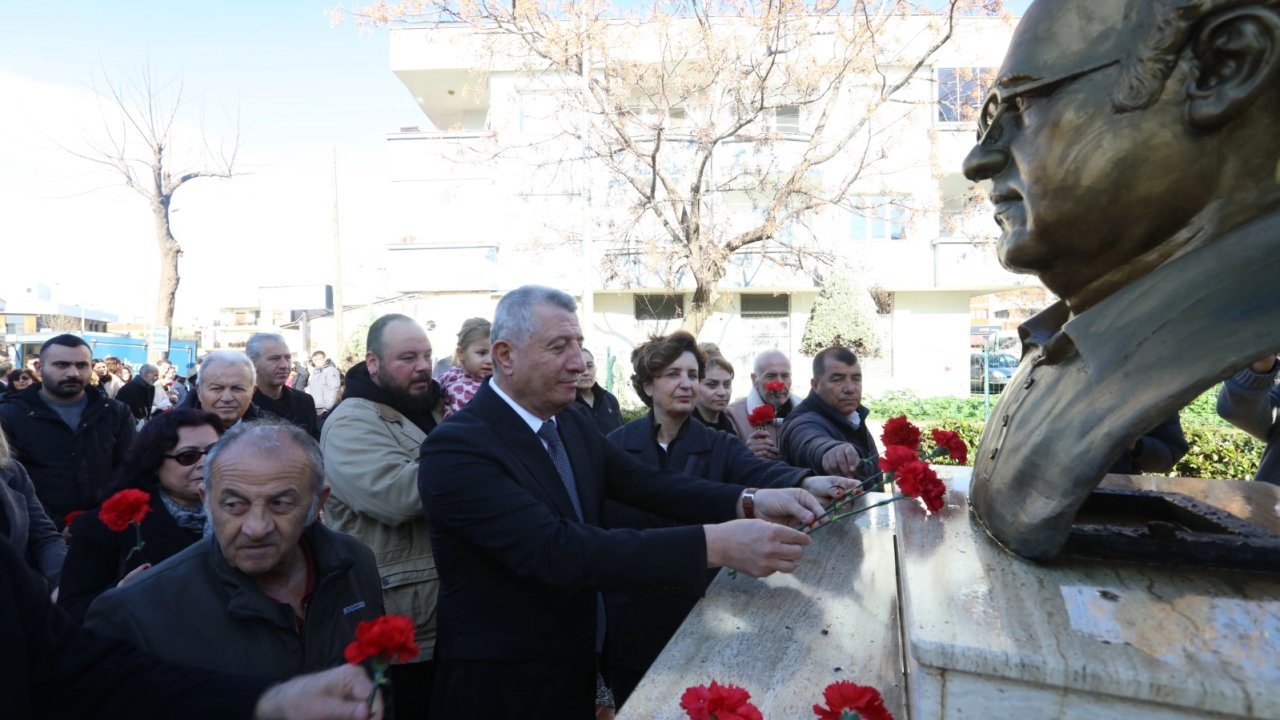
(898, 431)
(916, 479)
(125, 507)
(718, 702)
(845, 696)
(775, 386)
(71, 517)
(382, 640)
(952, 443)
(895, 456)
(386, 638)
(762, 416)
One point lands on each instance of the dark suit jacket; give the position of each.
(519, 573)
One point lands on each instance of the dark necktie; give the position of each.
(561, 459)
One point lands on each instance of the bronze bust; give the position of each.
(1134, 153)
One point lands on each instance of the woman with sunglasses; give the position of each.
(166, 460)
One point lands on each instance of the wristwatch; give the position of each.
(749, 503)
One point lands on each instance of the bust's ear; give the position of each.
(1237, 55)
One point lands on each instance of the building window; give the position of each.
(878, 217)
(659, 307)
(786, 119)
(961, 92)
(765, 305)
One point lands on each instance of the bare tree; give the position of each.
(722, 125)
(140, 143)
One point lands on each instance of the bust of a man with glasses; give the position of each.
(1133, 148)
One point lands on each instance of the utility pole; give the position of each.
(337, 266)
(588, 274)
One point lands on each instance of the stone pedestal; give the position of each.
(784, 638)
(982, 633)
(986, 631)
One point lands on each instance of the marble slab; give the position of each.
(987, 632)
(784, 638)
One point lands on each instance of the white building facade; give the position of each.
(491, 191)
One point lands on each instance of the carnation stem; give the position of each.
(867, 486)
(851, 513)
(140, 544)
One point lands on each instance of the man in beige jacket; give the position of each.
(370, 443)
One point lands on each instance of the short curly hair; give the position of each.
(653, 356)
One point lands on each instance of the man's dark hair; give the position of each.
(65, 340)
(650, 358)
(373, 343)
(840, 354)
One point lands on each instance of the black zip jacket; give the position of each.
(69, 468)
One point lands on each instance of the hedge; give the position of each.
(1217, 450)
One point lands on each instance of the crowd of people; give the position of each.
(538, 544)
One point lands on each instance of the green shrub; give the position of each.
(1217, 450)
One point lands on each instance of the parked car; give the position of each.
(1000, 367)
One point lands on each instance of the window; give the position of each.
(765, 305)
(659, 307)
(786, 119)
(961, 92)
(878, 217)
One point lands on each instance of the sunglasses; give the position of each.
(187, 458)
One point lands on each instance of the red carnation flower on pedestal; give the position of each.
(846, 700)
(952, 443)
(895, 456)
(718, 702)
(762, 416)
(900, 431)
(126, 508)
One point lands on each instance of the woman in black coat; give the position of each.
(667, 373)
(166, 460)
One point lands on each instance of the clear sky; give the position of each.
(301, 87)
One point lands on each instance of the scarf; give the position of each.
(188, 518)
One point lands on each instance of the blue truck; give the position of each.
(130, 350)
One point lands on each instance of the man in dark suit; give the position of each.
(514, 486)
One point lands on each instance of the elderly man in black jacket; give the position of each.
(68, 435)
(272, 592)
(827, 433)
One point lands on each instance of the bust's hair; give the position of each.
(653, 356)
(1145, 72)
